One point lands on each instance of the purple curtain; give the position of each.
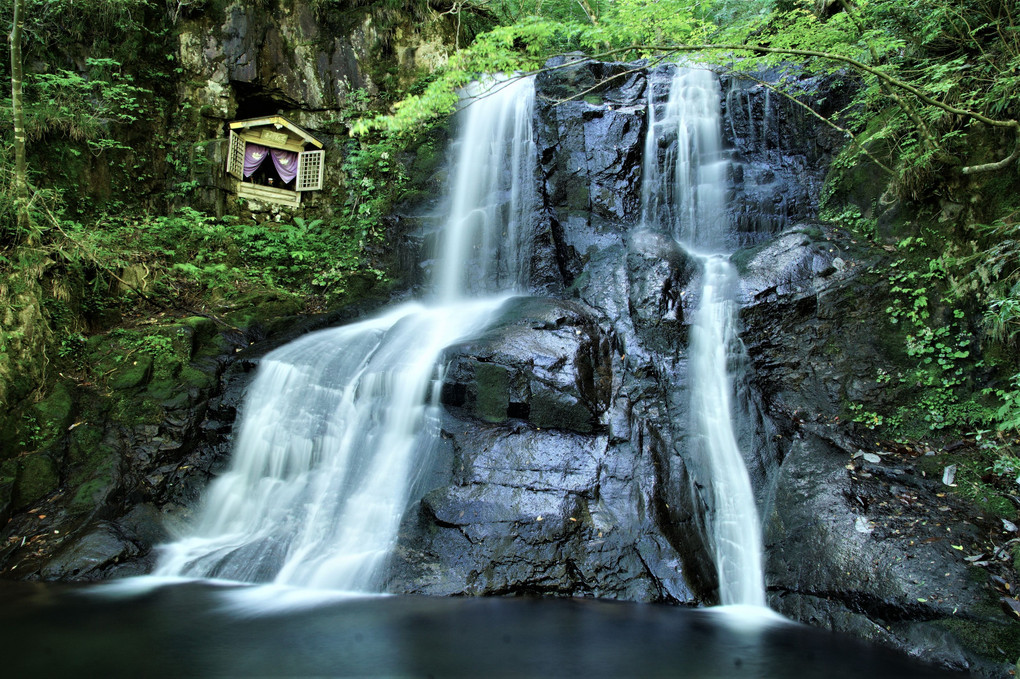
(254, 155)
(286, 164)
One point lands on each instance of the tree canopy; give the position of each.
(940, 67)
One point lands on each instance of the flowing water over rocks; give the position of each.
(339, 426)
(564, 462)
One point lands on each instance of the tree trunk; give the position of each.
(20, 162)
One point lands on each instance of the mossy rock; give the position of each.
(262, 309)
(578, 198)
(94, 479)
(551, 409)
(8, 476)
(493, 384)
(86, 444)
(37, 477)
(426, 161)
(133, 411)
(193, 377)
(55, 413)
(162, 389)
(91, 494)
(215, 347)
(988, 639)
(741, 258)
(135, 374)
(204, 328)
(972, 466)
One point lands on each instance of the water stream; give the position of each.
(338, 425)
(684, 194)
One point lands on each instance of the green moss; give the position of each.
(560, 411)
(8, 475)
(741, 258)
(216, 346)
(988, 639)
(8, 471)
(851, 180)
(578, 198)
(134, 374)
(193, 377)
(580, 283)
(261, 308)
(971, 467)
(493, 383)
(427, 160)
(204, 328)
(85, 444)
(37, 478)
(92, 493)
(161, 389)
(54, 413)
(136, 411)
(93, 469)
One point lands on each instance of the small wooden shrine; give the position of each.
(273, 160)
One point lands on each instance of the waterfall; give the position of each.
(684, 193)
(486, 240)
(337, 426)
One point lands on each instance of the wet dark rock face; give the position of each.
(568, 470)
(781, 151)
(852, 545)
(598, 496)
(542, 497)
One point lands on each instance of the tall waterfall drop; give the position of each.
(338, 425)
(684, 193)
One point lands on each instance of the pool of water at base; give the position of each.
(147, 628)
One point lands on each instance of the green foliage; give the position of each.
(1007, 467)
(650, 25)
(72, 346)
(850, 218)
(629, 28)
(1007, 416)
(80, 106)
(190, 250)
(48, 21)
(510, 49)
(374, 180)
(132, 341)
(938, 342)
(30, 431)
(867, 418)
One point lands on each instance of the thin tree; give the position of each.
(20, 162)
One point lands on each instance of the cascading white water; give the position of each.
(684, 183)
(332, 432)
(338, 424)
(684, 193)
(733, 523)
(486, 238)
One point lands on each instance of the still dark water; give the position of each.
(200, 629)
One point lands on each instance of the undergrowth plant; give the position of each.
(208, 254)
